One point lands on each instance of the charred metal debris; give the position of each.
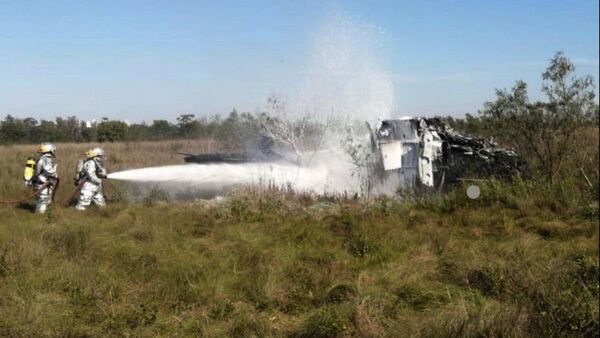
(426, 152)
(262, 151)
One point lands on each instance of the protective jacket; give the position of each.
(92, 173)
(45, 172)
(90, 178)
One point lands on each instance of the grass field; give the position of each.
(520, 261)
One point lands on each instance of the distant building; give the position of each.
(90, 124)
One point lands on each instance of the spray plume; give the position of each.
(344, 82)
(322, 177)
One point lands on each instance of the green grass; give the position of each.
(513, 264)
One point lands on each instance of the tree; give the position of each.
(72, 129)
(544, 132)
(46, 131)
(138, 132)
(161, 130)
(13, 130)
(111, 131)
(302, 135)
(187, 126)
(228, 131)
(89, 131)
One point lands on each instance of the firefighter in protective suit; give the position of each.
(90, 173)
(45, 178)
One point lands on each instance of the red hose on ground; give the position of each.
(26, 198)
(71, 199)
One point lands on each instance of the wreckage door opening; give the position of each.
(400, 150)
(403, 158)
(409, 172)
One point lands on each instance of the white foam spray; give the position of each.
(344, 82)
(345, 77)
(321, 178)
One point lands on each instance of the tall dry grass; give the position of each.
(517, 262)
(264, 264)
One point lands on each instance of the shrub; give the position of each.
(328, 321)
(80, 294)
(419, 299)
(339, 293)
(156, 195)
(488, 280)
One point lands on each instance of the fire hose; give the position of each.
(30, 196)
(77, 190)
(39, 190)
(56, 184)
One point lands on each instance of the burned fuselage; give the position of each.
(261, 151)
(424, 152)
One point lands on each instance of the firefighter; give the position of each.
(89, 175)
(45, 178)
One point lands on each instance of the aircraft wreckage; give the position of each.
(425, 152)
(422, 152)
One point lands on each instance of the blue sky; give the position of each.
(146, 60)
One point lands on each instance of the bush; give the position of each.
(340, 293)
(419, 299)
(329, 321)
(156, 195)
(488, 280)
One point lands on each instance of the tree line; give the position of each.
(29, 130)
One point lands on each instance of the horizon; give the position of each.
(142, 62)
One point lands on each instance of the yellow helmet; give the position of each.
(94, 152)
(47, 148)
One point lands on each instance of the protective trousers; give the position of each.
(44, 199)
(90, 192)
